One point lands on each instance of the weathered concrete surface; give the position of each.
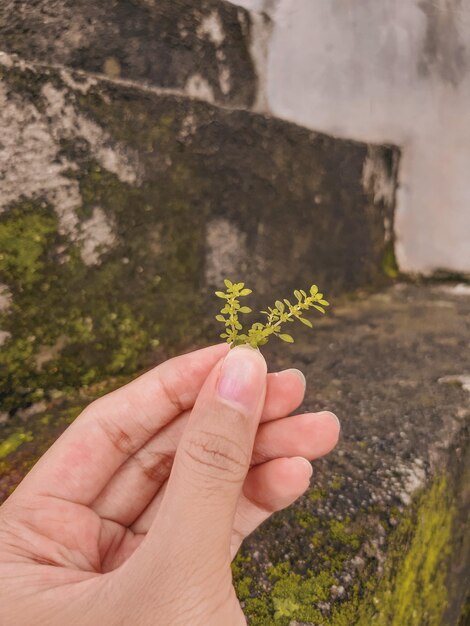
(122, 208)
(198, 48)
(382, 536)
(389, 71)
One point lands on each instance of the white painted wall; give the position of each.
(385, 71)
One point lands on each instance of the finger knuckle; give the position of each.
(217, 455)
(156, 466)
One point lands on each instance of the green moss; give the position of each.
(70, 325)
(293, 593)
(260, 610)
(389, 261)
(341, 533)
(25, 233)
(411, 591)
(106, 319)
(14, 441)
(336, 482)
(414, 591)
(296, 596)
(305, 518)
(73, 325)
(464, 618)
(317, 493)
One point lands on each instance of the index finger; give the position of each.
(82, 461)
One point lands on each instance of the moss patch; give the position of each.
(412, 590)
(70, 325)
(14, 441)
(24, 238)
(74, 323)
(389, 260)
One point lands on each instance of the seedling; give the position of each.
(283, 312)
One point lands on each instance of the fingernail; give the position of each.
(299, 374)
(333, 417)
(305, 462)
(243, 378)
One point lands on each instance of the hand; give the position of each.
(133, 516)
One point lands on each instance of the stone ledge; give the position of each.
(382, 535)
(130, 206)
(201, 48)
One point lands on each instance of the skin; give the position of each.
(134, 514)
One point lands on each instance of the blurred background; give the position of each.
(151, 148)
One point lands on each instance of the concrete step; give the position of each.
(382, 535)
(123, 207)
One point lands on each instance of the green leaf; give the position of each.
(282, 312)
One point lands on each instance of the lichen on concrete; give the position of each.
(123, 197)
(411, 589)
(414, 591)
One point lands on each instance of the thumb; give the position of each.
(213, 456)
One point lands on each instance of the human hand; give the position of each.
(100, 532)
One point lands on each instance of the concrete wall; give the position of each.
(124, 202)
(390, 71)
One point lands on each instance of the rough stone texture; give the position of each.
(200, 48)
(382, 536)
(388, 514)
(122, 208)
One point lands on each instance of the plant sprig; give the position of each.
(281, 313)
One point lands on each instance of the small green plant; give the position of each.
(283, 312)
